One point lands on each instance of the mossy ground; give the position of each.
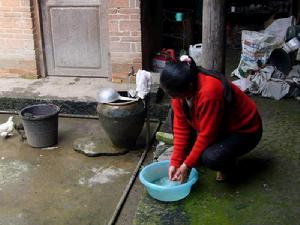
(264, 190)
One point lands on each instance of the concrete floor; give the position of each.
(264, 190)
(57, 186)
(60, 88)
(61, 186)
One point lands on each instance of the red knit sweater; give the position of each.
(211, 116)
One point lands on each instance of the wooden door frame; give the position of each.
(39, 41)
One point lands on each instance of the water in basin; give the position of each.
(164, 181)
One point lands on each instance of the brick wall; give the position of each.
(17, 56)
(125, 36)
(17, 51)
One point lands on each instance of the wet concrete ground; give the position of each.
(61, 186)
(264, 189)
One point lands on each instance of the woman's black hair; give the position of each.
(177, 76)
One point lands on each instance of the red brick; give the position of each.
(118, 3)
(14, 43)
(113, 26)
(135, 17)
(137, 60)
(129, 11)
(22, 23)
(24, 36)
(16, 36)
(132, 47)
(130, 26)
(138, 47)
(10, 3)
(130, 39)
(138, 4)
(29, 53)
(113, 11)
(136, 34)
(131, 4)
(26, 15)
(121, 57)
(119, 34)
(125, 54)
(5, 9)
(2, 43)
(119, 77)
(121, 67)
(125, 59)
(118, 17)
(6, 22)
(115, 39)
(6, 30)
(134, 4)
(21, 9)
(27, 31)
(29, 44)
(119, 47)
(12, 14)
(25, 3)
(121, 70)
(5, 35)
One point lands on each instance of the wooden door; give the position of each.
(75, 36)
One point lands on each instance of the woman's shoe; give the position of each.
(221, 176)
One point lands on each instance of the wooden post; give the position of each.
(213, 35)
(37, 35)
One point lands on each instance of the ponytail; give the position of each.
(220, 76)
(177, 76)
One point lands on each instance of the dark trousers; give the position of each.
(223, 154)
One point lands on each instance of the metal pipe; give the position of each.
(120, 205)
(8, 112)
(79, 116)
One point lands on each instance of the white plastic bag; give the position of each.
(258, 46)
(279, 27)
(195, 51)
(256, 49)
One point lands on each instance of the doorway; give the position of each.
(170, 24)
(75, 36)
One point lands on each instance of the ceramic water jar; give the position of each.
(122, 121)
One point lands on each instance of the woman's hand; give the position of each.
(172, 172)
(182, 173)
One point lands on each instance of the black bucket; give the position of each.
(41, 124)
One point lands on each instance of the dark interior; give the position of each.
(162, 27)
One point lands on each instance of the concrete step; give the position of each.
(72, 95)
(156, 110)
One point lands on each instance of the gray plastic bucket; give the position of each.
(40, 124)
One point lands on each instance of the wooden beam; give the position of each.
(37, 35)
(213, 35)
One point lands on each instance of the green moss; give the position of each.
(264, 189)
(153, 212)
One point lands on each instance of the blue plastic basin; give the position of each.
(157, 170)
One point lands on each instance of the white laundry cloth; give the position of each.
(143, 83)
